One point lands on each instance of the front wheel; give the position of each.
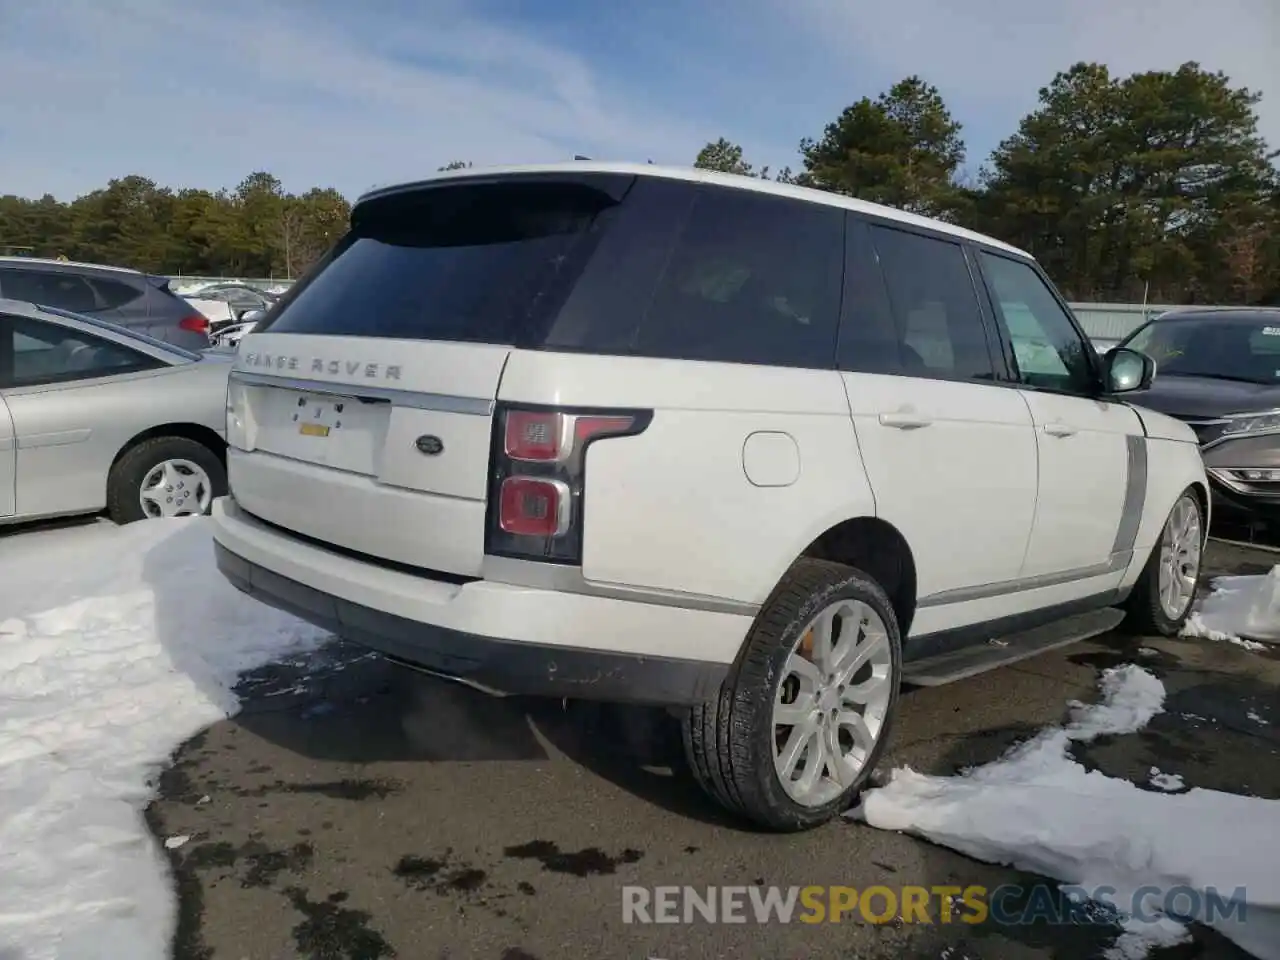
(1162, 596)
(164, 477)
(805, 714)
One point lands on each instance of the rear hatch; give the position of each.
(360, 413)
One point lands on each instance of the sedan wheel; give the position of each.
(165, 477)
(175, 488)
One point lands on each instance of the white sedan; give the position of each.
(95, 417)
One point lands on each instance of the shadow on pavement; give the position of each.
(345, 705)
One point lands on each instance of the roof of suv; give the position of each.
(64, 265)
(696, 175)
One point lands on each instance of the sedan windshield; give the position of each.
(1224, 346)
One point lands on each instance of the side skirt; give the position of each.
(946, 656)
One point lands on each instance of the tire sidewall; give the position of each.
(126, 477)
(852, 586)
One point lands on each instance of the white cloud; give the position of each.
(990, 57)
(200, 94)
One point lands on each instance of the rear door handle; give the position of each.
(1059, 430)
(904, 421)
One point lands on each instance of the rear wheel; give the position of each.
(164, 477)
(1161, 599)
(805, 714)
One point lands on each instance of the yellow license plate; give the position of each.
(313, 430)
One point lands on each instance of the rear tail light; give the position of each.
(533, 507)
(196, 323)
(539, 476)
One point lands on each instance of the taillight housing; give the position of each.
(538, 477)
(196, 323)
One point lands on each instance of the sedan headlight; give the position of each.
(1251, 423)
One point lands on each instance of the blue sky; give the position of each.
(201, 92)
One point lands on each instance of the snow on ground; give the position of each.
(116, 645)
(1039, 810)
(1165, 781)
(1241, 610)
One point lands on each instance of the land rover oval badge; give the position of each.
(431, 446)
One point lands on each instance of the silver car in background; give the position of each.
(95, 417)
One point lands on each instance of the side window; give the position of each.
(66, 291)
(751, 278)
(34, 353)
(869, 341)
(1049, 352)
(935, 307)
(114, 293)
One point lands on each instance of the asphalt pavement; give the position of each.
(358, 811)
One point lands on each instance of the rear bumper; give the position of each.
(505, 638)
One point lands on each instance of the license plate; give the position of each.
(318, 416)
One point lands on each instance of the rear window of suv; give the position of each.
(610, 264)
(482, 263)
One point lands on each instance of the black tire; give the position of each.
(729, 742)
(126, 476)
(1145, 615)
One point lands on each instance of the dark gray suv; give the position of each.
(126, 297)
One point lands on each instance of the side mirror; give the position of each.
(1125, 370)
(252, 316)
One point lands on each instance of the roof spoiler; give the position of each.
(159, 282)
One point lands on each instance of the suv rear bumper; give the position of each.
(508, 639)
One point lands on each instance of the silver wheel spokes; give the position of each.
(831, 702)
(175, 488)
(1181, 544)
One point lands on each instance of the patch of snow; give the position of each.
(1148, 652)
(119, 644)
(173, 843)
(1165, 781)
(1039, 810)
(1257, 718)
(1241, 610)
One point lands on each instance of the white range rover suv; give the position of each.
(756, 453)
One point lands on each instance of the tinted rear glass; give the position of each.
(484, 262)
(706, 272)
(623, 266)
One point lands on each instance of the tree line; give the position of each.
(255, 230)
(1154, 186)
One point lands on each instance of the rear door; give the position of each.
(1092, 450)
(361, 410)
(950, 454)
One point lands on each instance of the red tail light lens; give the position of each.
(534, 436)
(588, 428)
(196, 323)
(533, 507)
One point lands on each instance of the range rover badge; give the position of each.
(429, 445)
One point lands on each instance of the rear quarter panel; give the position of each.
(69, 434)
(673, 509)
